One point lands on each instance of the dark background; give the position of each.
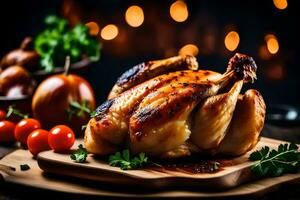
(160, 36)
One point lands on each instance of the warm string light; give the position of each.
(272, 43)
(179, 11)
(189, 49)
(280, 4)
(232, 40)
(93, 28)
(109, 32)
(134, 16)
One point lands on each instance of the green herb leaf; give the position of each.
(93, 114)
(57, 41)
(80, 154)
(78, 109)
(24, 167)
(286, 159)
(124, 161)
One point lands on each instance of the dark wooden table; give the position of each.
(16, 192)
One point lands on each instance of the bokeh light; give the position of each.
(109, 32)
(189, 49)
(232, 40)
(272, 43)
(179, 11)
(134, 16)
(93, 28)
(280, 4)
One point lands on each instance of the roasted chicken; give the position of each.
(169, 108)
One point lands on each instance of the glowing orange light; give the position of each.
(134, 16)
(272, 43)
(189, 49)
(179, 11)
(109, 32)
(232, 40)
(93, 27)
(280, 4)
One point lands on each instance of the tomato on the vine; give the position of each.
(61, 138)
(24, 128)
(37, 141)
(7, 131)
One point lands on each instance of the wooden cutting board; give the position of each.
(98, 170)
(35, 177)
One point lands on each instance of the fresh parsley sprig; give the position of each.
(59, 40)
(124, 161)
(24, 167)
(80, 154)
(78, 109)
(286, 159)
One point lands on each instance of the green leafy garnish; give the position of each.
(93, 114)
(58, 40)
(80, 154)
(13, 111)
(124, 161)
(78, 109)
(24, 167)
(286, 159)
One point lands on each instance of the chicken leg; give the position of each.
(212, 118)
(248, 120)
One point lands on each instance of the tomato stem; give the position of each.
(13, 111)
(67, 66)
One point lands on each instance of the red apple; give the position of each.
(51, 103)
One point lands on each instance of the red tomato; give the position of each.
(37, 141)
(61, 138)
(7, 131)
(24, 128)
(2, 115)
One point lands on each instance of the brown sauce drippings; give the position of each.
(193, 166)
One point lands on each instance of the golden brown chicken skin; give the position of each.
(180, 113)
(112, 118)
(147, 70)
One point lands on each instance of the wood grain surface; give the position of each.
(35, 177)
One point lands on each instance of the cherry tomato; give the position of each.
(7, 131)
(2, 115)
(37, 141)
(24, 128)
(61, 138)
